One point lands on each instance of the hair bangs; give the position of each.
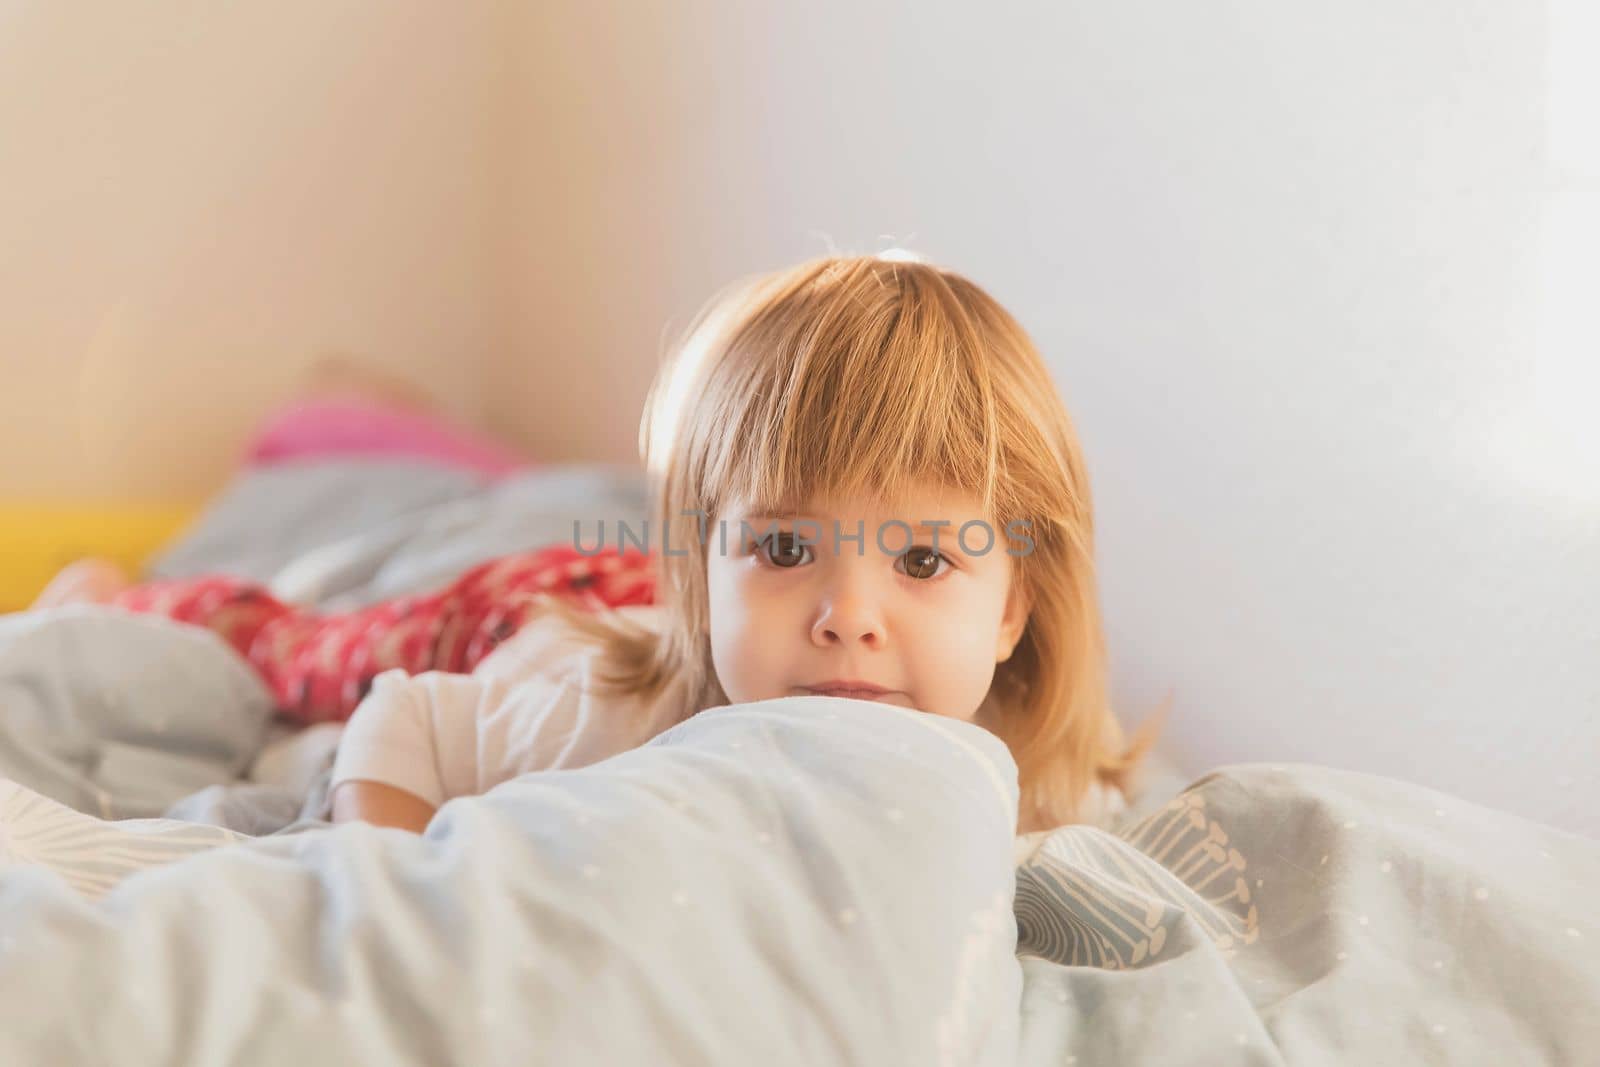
(870, 381)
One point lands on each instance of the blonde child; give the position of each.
(831, 449)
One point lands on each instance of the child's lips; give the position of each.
(855, 691)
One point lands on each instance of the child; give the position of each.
(889, 402)
(318, 667)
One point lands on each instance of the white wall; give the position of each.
(1293, 265)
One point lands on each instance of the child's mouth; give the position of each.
(854, 692)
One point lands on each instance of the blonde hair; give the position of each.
(864, 374)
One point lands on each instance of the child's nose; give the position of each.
(847, 617)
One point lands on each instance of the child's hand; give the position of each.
(88, 581)
(381, 805)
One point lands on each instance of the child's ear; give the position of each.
(1012, 623)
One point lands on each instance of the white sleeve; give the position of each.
(418, 733)
(552, 712)
(545, 723)
(538, 706)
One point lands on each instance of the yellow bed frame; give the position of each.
(37, 540)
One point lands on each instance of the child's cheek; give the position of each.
(956, 669)
(744, 645)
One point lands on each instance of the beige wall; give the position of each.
(199, 201)
(611, 251)
(513, 205)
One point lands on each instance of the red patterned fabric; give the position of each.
(320, 666)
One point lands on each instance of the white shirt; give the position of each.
(532, 704)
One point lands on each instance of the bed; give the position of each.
(803, 880)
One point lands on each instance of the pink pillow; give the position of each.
(307, 429)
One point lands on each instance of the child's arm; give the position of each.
(415, 742)
(410, 746)
(381, 805)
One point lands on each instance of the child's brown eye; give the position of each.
(922, 563)
(783, 550)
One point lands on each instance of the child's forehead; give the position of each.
(916, 505)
